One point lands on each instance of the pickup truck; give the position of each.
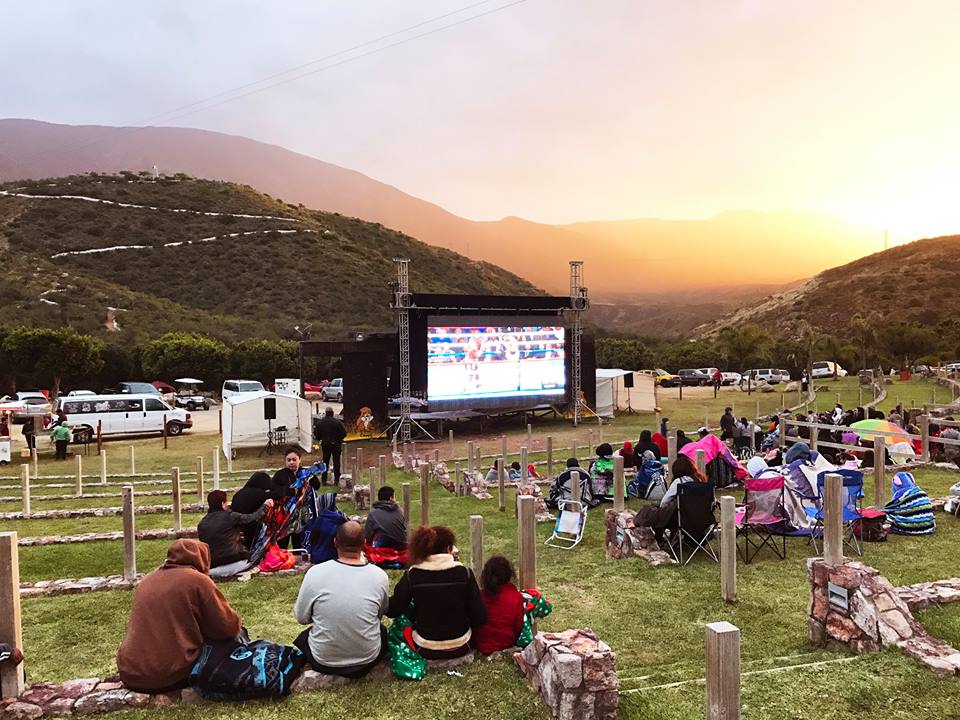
(694, 377)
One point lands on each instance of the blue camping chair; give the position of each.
(851, 499)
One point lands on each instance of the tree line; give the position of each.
(62, 358)
(870, 342)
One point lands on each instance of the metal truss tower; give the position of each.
(579, 303)
(403, 301)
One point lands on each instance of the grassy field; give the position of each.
(652, 617)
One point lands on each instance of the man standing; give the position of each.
(61, 437)
(331, 432)
(222, 530)
(727, 424)
(343, 600)
(386, 526)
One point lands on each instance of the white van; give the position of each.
(121, 415)
(768, 375)
(827, 369)
(238, 387)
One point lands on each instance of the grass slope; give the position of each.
(260, 276)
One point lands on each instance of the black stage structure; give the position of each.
(372, 366)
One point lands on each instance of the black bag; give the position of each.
(244, 669)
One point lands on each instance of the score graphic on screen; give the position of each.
(483, 363)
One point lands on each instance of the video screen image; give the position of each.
(494, 362)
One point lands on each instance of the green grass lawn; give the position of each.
(652, 617)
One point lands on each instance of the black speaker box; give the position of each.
(269, 408)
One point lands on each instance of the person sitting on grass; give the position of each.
(602, 472)
(439, 595)
(626, 452)
(251, 496)
(562, 488)
(221, 530)
(386, 526)
(504, 605)
(176, 609)
(342, 601)
(643, 444)
(663, 516)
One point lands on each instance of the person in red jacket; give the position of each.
(504, 605)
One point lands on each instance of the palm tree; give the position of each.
(741, 344)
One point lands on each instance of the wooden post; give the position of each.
(452, 450)
(524, 461)
(79, 480)
(175, 489)
(476, 545)
(573, 449)
(436, 456)
(25, 488)
(424, 495)
(590, 444)
(478, 460)
(405, 494)
(671, 453)
(129, 535)
(814, 437)
(164, 431)
(503, 447)
(550, 457)
(879, 471)
(501, 490)
(470, 467)
(833, 519)
(215, 468)
(657, 419)
(723, 671)
(383, 474)
(728, 549)
(35, 460)
(359, 461)
(133, 460)
(782, 427)
(103, 467)
(201, 494)
(528, 543)
(619, 489)
(457, 480)
(924, 438)
(99, 436)
(575, 486)
(529, 432)
(11, 629)
(701, 460)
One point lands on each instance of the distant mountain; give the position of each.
(154, 255)
(645, 255)
(916, 282)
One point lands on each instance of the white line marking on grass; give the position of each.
(680, 683)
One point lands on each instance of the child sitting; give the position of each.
(504, 605)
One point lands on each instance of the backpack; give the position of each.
(244, 669)
(650, 482)
(319, 533)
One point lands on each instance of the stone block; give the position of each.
(575, 706)
(818, 605)
(816, 632)
(569, 670)
(102, 701)
(311, 680)
(863, 613)
(164, 699)
(41, 694)
(19, 710)
(189, 696)
(600, 671)
(841, 628)
(605, 705)
(898, 622)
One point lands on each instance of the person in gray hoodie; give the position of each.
(386, 522)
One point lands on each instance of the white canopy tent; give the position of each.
(244, 426)
(613, 395)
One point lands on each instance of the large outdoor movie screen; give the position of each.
(482, 366)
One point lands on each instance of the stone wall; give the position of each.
(876, 615)
(159, 534)
(624, 539)
(101, 512)
(574, 672)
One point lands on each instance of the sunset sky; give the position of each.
(554, 110)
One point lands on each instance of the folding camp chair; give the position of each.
(568, 530)
(850, 503)
(696, 523)
(764, 516)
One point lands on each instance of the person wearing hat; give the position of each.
(626, 452)
(602, 472)
(61, 436)
(702, 432)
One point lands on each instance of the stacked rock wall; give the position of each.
(624, 539)
(876, 615)
(575, 674)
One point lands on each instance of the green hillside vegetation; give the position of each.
(331, 271)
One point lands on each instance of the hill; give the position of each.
(914, 282)
(175, 253)
(644, 255)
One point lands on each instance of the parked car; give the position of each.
(239, 387)
(953, 367)
(32, 403)
(694, 377)
(139, 388)
(662, 377)
(784, 375)
(758, 375)
(121, 414)
(333, 391)
(731, 378)
(79, 393)
(827, 369)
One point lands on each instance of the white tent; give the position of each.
(244, 425)
(613, 395)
